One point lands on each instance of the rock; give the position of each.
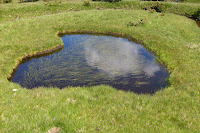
(54, 130)
(14, 90)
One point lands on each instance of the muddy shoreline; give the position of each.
(34, 55)
(59, 47)
(198, 23)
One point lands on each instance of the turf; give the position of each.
(193, 1)
(13, 11)
(172, 38)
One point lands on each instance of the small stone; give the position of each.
(54, 130)
(15, 90)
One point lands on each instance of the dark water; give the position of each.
(89, 60)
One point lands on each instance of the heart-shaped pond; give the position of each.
(89, 60)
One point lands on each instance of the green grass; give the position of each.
(173, 38)
(11, 12)
(193, 1)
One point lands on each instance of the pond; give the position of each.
(90, 60)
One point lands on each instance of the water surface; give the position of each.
(89, 60)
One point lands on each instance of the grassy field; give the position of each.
(13, 11)
(31, 27)
(193, 1)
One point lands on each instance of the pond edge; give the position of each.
(34, 55)
(114, 34)
(60, 46)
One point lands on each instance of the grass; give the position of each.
(174, 39)
(11, 12)
(193, 1)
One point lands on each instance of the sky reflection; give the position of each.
(118, 57)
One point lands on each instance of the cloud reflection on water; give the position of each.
(117, 57)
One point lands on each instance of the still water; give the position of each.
(89, 60)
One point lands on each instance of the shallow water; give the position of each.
(89, 60)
